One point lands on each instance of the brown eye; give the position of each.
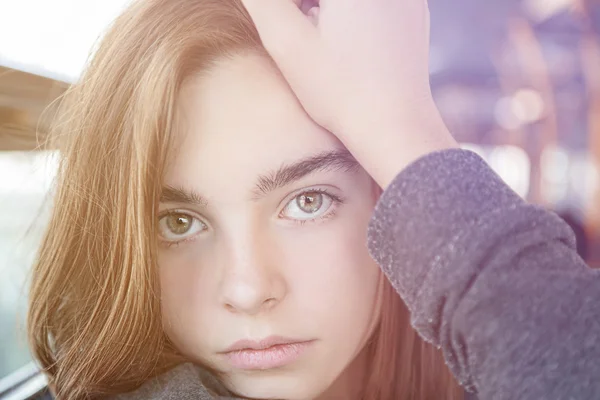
(178, 224)
(310, 202)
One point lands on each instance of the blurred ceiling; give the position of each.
(53, 38)
(484, 51)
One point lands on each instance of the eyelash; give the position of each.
(336, 201)
(169, 243)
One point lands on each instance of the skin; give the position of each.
(252, 270)
(360, 69)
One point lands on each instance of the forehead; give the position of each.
(241, 118)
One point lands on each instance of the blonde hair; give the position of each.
(94, 319)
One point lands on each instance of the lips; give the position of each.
(272, 352)
(271, 341)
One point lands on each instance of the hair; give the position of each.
(94, 321)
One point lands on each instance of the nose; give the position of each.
(252, 282)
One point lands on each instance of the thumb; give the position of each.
(288, 35)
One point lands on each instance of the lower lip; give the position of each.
(273, 357)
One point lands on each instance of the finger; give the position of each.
(287, 34)
(313, 15)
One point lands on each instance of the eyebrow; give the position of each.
(286, 174)
(335, 160)
(172, 194)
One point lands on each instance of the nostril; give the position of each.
(270, 301)
(230, 307)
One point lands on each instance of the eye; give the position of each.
(309, 205)
(179, 226)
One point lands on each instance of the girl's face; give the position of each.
(263, 222)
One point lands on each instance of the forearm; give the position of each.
(386, 143)
(492, 280)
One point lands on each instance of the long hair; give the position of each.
(94, 321)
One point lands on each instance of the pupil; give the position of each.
(179, 224)
(310, 203)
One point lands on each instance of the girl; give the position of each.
(201, 216)
(210, 239)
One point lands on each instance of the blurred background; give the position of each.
(517, 81)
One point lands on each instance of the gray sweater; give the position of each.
(492, 280)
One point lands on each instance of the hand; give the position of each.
(360, 70)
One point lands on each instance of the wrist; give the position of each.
(385, 147)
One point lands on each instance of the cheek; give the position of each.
(331, 273)
(185, 299)
(332, 257)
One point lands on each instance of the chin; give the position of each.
(276, 386)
